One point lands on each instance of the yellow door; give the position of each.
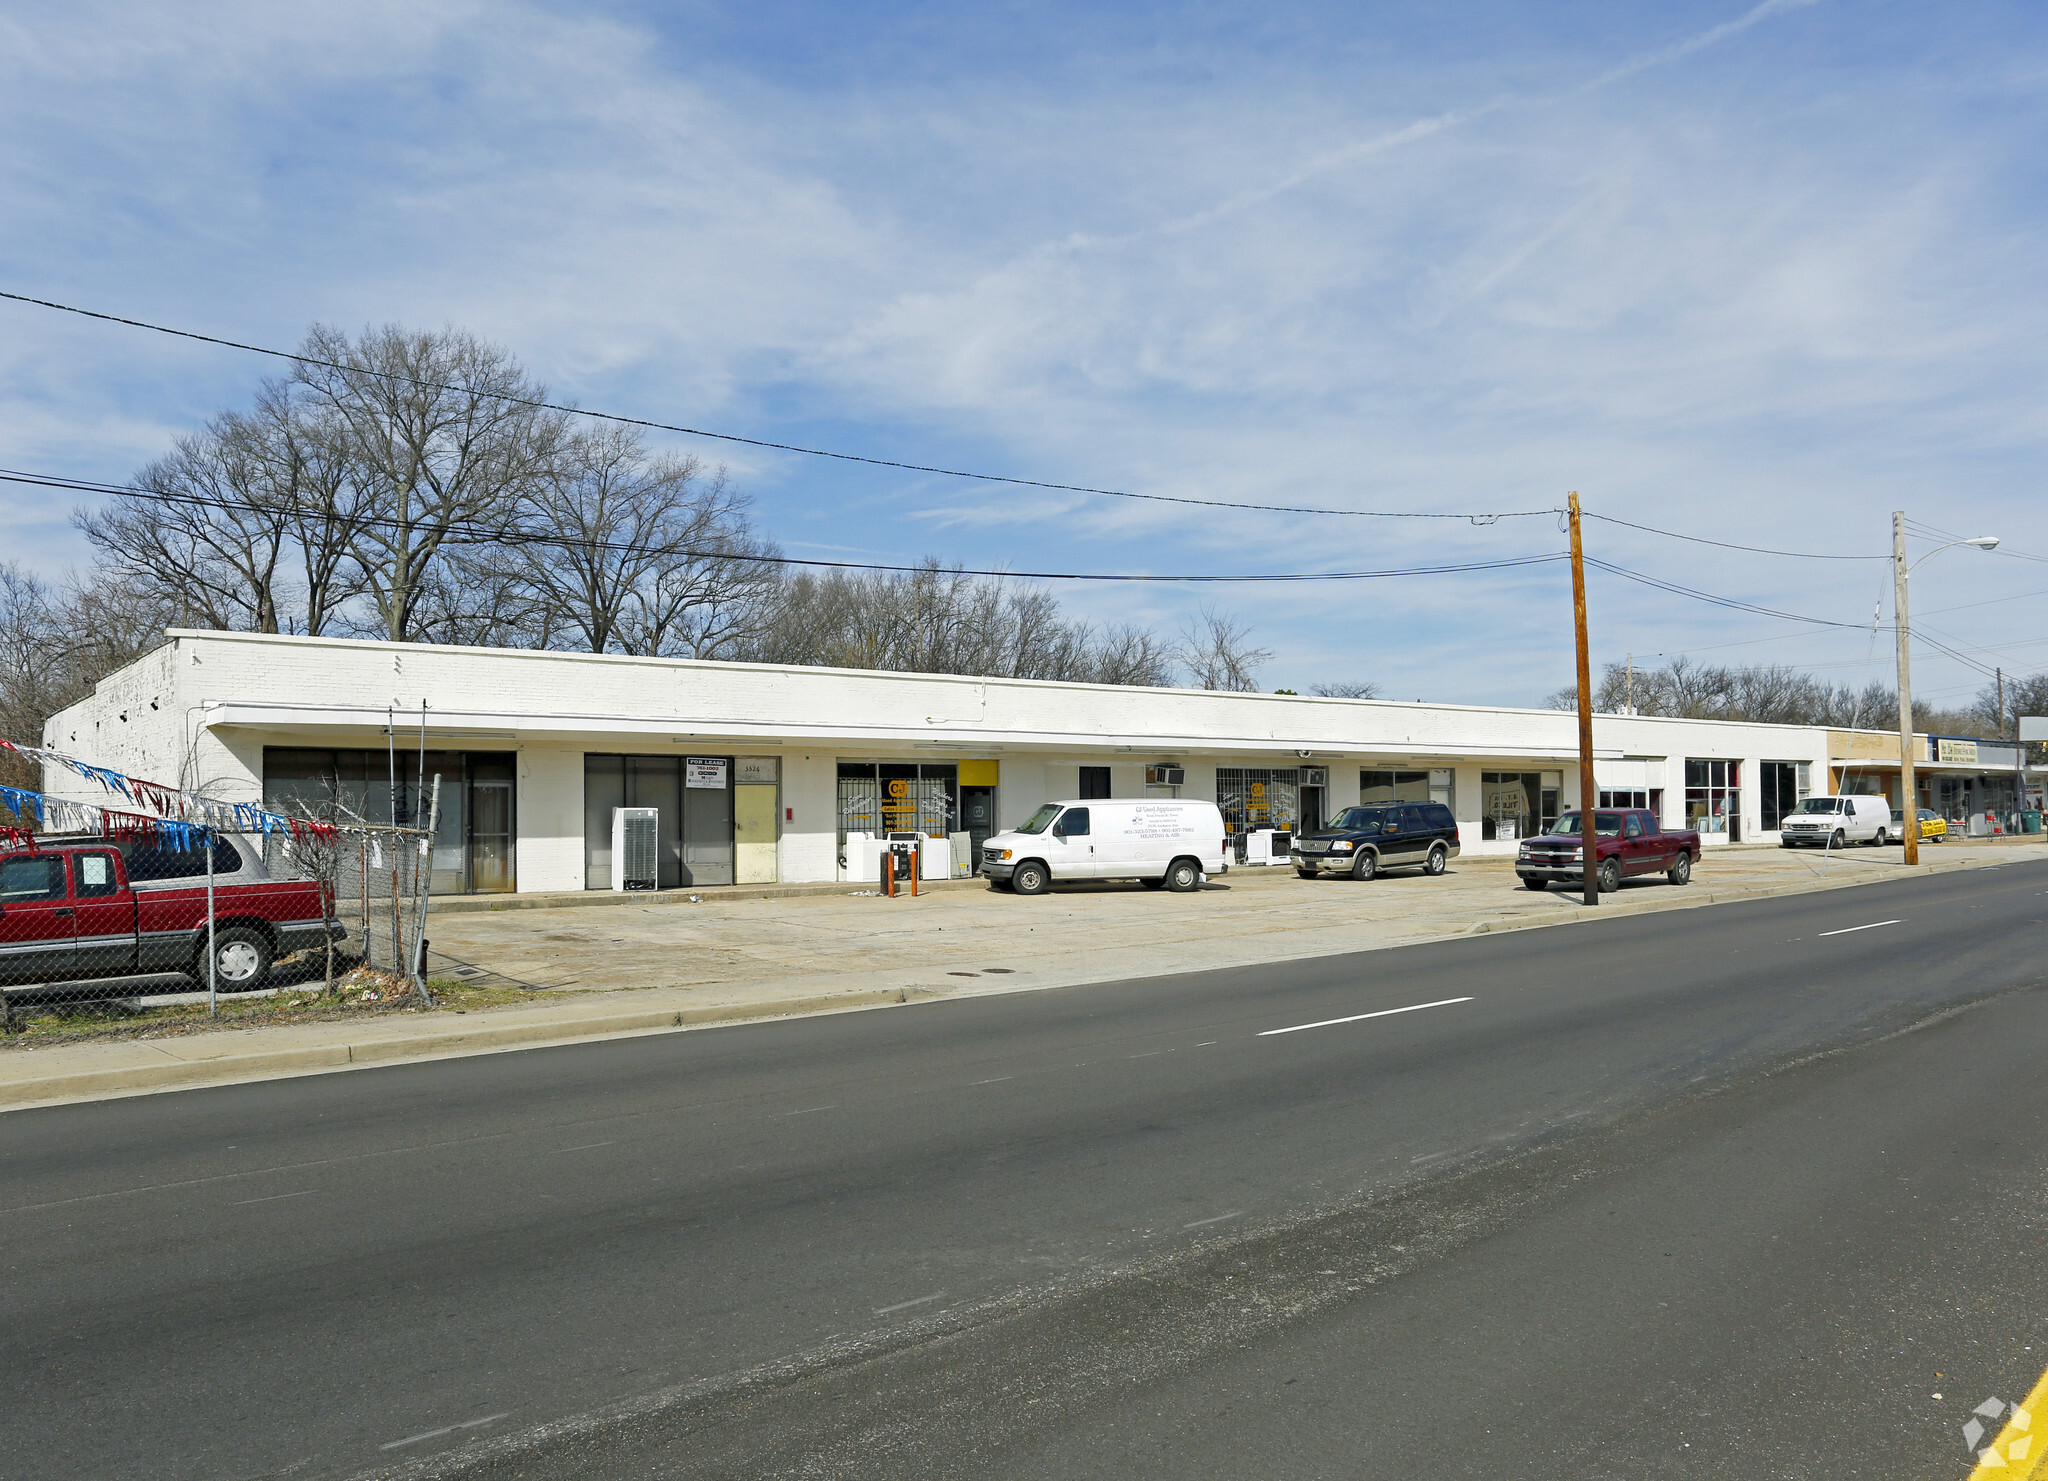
(754, 830)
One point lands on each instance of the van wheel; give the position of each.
(1439, 857)
(241, 960)
(1031, 879)
(1183, 875)
(1883, 838)
(1365, 866)
(1838, 841)
(1680, 871)
(1153, 884)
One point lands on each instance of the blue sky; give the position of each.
(1758, 274)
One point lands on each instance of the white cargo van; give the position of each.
(1163, 844)
(1830, 822)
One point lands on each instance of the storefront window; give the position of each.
(1782, 786)
(474, 842)
(1258, 797)
(881, 797)
(1713, 797)
(1518, 804)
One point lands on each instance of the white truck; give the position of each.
(1831, 822)
(1165, 843)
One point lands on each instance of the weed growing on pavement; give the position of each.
(361, 993)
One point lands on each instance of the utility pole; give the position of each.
(1589, 850)
(1909, 795)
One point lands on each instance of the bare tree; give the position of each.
(209, 527)
(1216, 650)
(439, 438)
(1355, 689)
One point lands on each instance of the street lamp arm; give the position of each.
(1982, 542)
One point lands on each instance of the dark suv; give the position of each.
(1362, 841)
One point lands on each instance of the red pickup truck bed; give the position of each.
(74, 911)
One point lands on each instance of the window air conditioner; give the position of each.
(636, 848)
(1166, 776)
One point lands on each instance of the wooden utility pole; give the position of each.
(1589, 851)
(1909, 794)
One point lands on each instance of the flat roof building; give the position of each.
(759, 773)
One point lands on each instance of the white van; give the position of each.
(1830, 822)
(1163, 844)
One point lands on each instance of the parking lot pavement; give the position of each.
(974, 939)
(633, 968)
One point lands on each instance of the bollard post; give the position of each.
(889, 873)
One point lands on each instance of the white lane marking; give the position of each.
(993, 1080)
(1207, 1042)
(468, 1424)
(806, 1111)
(906, 1305)
(1146, 1055)
(1427, 1157)
(242, 1202)
(1360, 1017)
(586, 1147)
(1871, 927)
(1217, 1220)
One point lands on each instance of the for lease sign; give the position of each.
(704, 771)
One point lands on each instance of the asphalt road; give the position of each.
(1664, 1194)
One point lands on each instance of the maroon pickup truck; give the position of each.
(74, 910)
(1629, 841)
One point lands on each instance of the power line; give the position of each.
(1804, 555)
(469, 533)
(786, 447)
(1732, 603)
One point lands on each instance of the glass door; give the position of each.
(490, 825)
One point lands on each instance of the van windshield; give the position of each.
(1042, 819)
(1820, 804)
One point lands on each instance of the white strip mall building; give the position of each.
(760, 773)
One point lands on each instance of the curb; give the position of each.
(264, 1064)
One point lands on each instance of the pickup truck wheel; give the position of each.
(1031, 878)
(1540, 885)
(241, 960)
(1439, 857)
(1183, 876)
(1680, 871)
(1608, 876)
(1365, 866)
(1307, 873)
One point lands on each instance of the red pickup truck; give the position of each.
(1629, 841)
(77, 910)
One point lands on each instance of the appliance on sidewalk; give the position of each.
(636, 852)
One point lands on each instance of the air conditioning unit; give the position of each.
(1315, 776)
(1166, 776)
(636, 848)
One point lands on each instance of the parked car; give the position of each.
(1163, 843)
(1933, 826)
(1629, 842)
(1831, 822)
(1364, 840)
(80, 910)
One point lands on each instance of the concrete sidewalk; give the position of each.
(639, 968)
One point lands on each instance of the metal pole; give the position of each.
(212, 987)
(1589, 849)
(1909, 796)
(419, 935)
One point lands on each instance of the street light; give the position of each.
(1909, 799)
